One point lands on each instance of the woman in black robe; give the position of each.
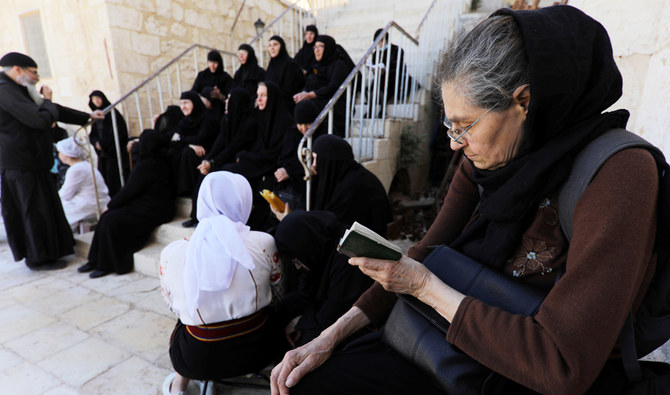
(250, 73)
(321, 284)
(323, 80)
(238, 132)
(213, 75)
(305, 55)
(102, 138)
(165, 124)
(146, 201)
(346, 188)
(194, 137)
(284, 71)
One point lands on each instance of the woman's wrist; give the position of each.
(352, 321)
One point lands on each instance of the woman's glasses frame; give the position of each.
(456, 134)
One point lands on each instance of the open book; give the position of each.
(361, 241)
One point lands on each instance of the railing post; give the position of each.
(117, 144)
(151, 110)
(347, 116)
(330, 121)
(139, 110)
(179, 79)
(160, 93)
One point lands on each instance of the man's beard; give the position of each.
(29, 83)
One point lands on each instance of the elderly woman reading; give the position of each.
(524, 92)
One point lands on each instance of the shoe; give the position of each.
(191, 223)
(98, 273)
(49, 265)
(167, 384)
(87, 267)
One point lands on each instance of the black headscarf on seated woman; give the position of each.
(330, 286)
(206, 78)
(190, 124)
(285, 72)
(273, 121)
(346, 188)
(250, 73)
(305, 56)
(565, 113)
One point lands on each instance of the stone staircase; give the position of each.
(147, 259)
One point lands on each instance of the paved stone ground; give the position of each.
(64, 333)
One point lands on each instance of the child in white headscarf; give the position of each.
(78, 192)
(220, 284)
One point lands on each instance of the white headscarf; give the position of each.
(69, 147)
(217, 245)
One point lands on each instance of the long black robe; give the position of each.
(330, 286)
(286, 73)
(250, 73)
(102, 132)
(326, 77)
(198, 128)
(34, 220)
(346, 188)
(220, 78)
(145, 201)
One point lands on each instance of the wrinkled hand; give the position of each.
(46, 92)
(280, 216)
(199, 150)
(281, 174)
(405, 276)
(97, 114)
(205, 167)
(297, 363)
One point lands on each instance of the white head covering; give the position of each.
(69, 147)
(217, 245)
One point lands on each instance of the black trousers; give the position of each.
(366, 366)
(36, 226)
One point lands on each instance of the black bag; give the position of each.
(417, 331)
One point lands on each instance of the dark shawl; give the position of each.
(167, 122)
(238, 130)
(572, 82)
(305, 56)
(250, 73)
(219, 78)
(272, 124)
(332, 285)
(346, 188)
(306, 112)
(104, 130)
(200, 127)
(286, 73)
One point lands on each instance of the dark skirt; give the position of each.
(118, 235)
(35, 222)
(211, 360)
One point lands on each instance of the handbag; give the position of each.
(417, 332)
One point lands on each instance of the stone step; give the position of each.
(171, 231)
(147, 260)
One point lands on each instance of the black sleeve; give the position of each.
(138, 181)
(72, 116)
(242, 140)
(337, 74)
(25, 110)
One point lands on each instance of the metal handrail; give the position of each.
(304, 155)
(425, 16)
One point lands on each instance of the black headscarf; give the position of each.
(346, 188)
(251, 56)
(168, 120)
(275, 118)
(306, 112)
(239, 108)
(330, 53)
(215, 56)
(277, 64)
(573, 80)
(105, 101)
(152, 144)
(190, 124)
(250, 73)
(305, 55)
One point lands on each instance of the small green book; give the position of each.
(359, 241)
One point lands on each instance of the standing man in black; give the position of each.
(36, 227)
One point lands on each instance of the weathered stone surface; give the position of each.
(154, 26)
(177, 12)
(178, 29)
(124, 17)
(191, 17)
(164, 8)
(146, 44)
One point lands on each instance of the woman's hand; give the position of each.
(405, 276)
(281, 174)
(205, 167)
(199, 150)
(300, 96)
(297, 363)
(280, 216)
(130, 145)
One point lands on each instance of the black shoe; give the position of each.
(191, 223)
(98, 273)
(85, 268)
(49, 265)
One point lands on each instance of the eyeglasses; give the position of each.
(456, 134)
(33, 72)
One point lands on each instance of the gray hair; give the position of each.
(6, 69)
(487, 64)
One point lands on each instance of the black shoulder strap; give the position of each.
(586, 165)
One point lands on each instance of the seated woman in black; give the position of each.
(145, 201)
(305, 56)
(250, 73)
(324, 284)
(290, 186)
(165, 124)
(102, 138)
(346, 188)
(213, 75)
(195, 135)
(238, 132)
(284, 71)
(323, 80)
